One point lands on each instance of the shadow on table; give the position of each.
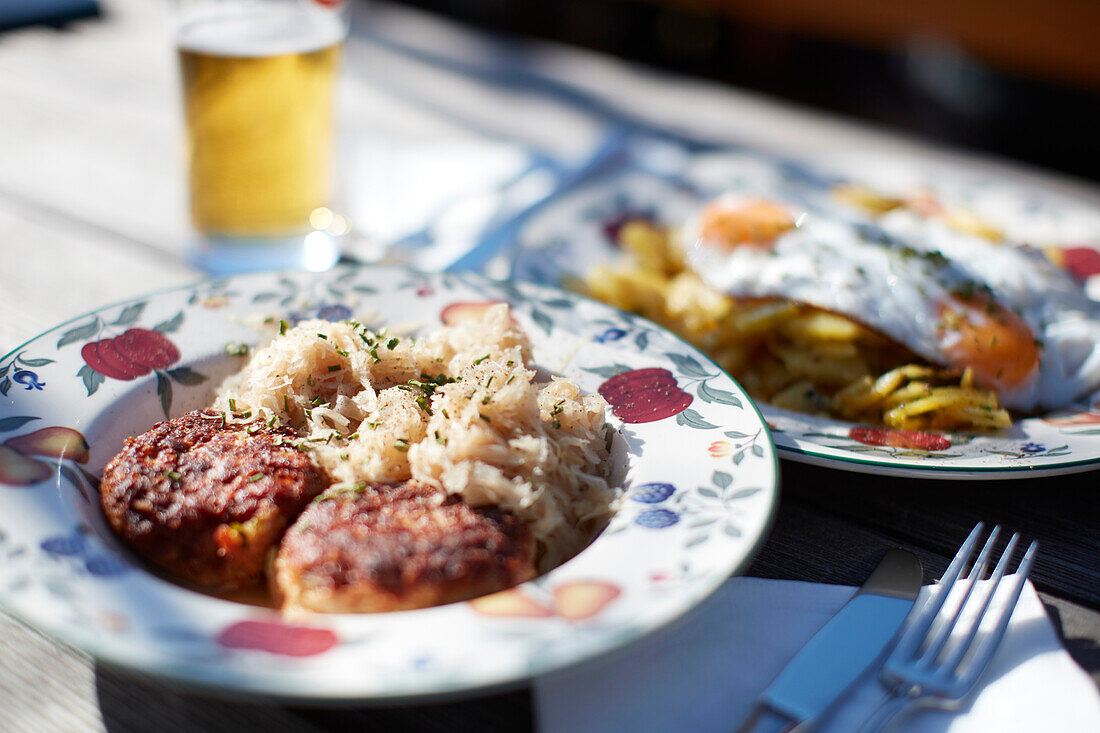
(1085, 651)
(132, 703)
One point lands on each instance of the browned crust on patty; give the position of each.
(205, 500)
(390, 547)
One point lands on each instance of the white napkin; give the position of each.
(705, 672)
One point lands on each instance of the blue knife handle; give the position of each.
(766, 720)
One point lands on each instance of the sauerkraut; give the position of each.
(459, 410)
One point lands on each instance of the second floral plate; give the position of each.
(564, 240)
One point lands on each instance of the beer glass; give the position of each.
(258, 78)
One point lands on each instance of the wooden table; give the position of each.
(92, 211)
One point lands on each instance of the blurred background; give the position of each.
(1018, 78)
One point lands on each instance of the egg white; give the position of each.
(893, 276)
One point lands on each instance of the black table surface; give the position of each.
(832, 527)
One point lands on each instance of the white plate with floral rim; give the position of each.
(692, 514)
(566, 238)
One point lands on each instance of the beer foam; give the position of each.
(265, 30)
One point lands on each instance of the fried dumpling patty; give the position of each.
(389, 547)
(206, 500)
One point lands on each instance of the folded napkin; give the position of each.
(705, 672)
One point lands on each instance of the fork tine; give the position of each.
(918, 625)
(953, 659)
(977, 570)
(990, 644)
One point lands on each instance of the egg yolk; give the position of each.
(994, 342)
(752, 223)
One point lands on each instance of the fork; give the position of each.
(920, 669)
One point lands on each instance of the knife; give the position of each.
(842, 650)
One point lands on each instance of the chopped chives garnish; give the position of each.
(483, 417)
(232, 404)
(478, 361)
(401, 444)
(322, 336)
(283, 326)
(174, 475)
(334, 368)
(392, 343)
(255, 477)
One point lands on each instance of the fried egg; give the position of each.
(1023, 327)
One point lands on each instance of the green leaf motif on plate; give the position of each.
(721, 396)
(608, 372)
(129, 314)
(544, 321)
(186, 376)
(693, 419)
(33, 362)
(171, 325)
(91, 378)
(687, 365)
(79, 333)
(14, 423)
(164, 389)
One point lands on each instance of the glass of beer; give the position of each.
(258, 81)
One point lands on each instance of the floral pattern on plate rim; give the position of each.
(687, 528)
(576, 232)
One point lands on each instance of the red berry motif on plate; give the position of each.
(895, 438)
(645, 395)
(277, 638)
(110, 363)
(1083, 262)
(132, 354)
